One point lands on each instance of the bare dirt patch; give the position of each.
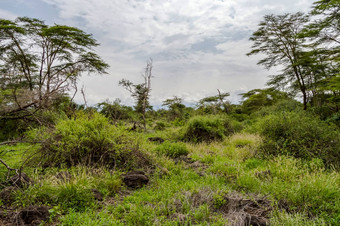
(32, 216)
(246, 211)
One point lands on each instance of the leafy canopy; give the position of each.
(39, 62)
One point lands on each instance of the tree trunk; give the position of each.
(304, 99)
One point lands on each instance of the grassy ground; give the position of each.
(185, 191)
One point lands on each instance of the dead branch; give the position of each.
(83, 93)
(10, 142)
(8, 168)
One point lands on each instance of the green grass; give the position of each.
(306, 186)
(73, 191)
(284, 219)
(166, 199)
(14, 156)
(179, 194)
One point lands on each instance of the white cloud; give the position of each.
(197, 45)
(4, 14)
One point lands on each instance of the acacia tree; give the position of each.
(141, 92)
(255, 99)
(38, 63)
(115, 110)
(176, 107)
(278, 37)
(326, 27)
(216, 102)
(324, 37)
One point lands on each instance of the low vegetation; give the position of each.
(269, 160)
(300, 135)
(89, 140)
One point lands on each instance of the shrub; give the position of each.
(172, 150)
(204, 128)
(160, 125)
(86, 140)
(288, 105)
(335, 118)
(209, 128)
(300, 135)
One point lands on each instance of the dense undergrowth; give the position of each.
(269, 160)
(278, 165)
(86, 140)
(194, 174)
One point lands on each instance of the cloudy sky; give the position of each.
(197, 46)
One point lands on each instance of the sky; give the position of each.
(197, 46)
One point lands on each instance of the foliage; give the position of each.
(296, 219)
(160, 125)
(306, 49)
(115, 110)
(11, 129)
(141, 92)
(39, 63)
(278, 38)
(75, 197)
(209, 128)
(204, 128)
(172, 150)
(255, 99)
(176, 108)
(70, 189)
(326, 27)
(289, 156)
(87, 140)
(287, 105)
(180, 193)
(300, 135)
(214, 104)
(303, 187)
(89, 218)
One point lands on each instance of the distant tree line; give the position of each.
(41, 64)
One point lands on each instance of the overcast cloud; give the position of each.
(197, 46)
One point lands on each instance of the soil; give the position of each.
(97, 195)
(135, 179)
(244, 211)
(20, 180)
(30, 216)
(158, 140)
(6, 195)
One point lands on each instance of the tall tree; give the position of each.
(216, 102)
(141, 92)
(38, 63)
(326, 26)
(115, 110)
(176, 107)
(279, 39)
(256, 99)
(324, 37)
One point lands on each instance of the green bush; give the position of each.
(209, 128)
(172, 150)
(288, 105)
(300, 135)
(160, 125)
(335, 119)
(86, 140)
